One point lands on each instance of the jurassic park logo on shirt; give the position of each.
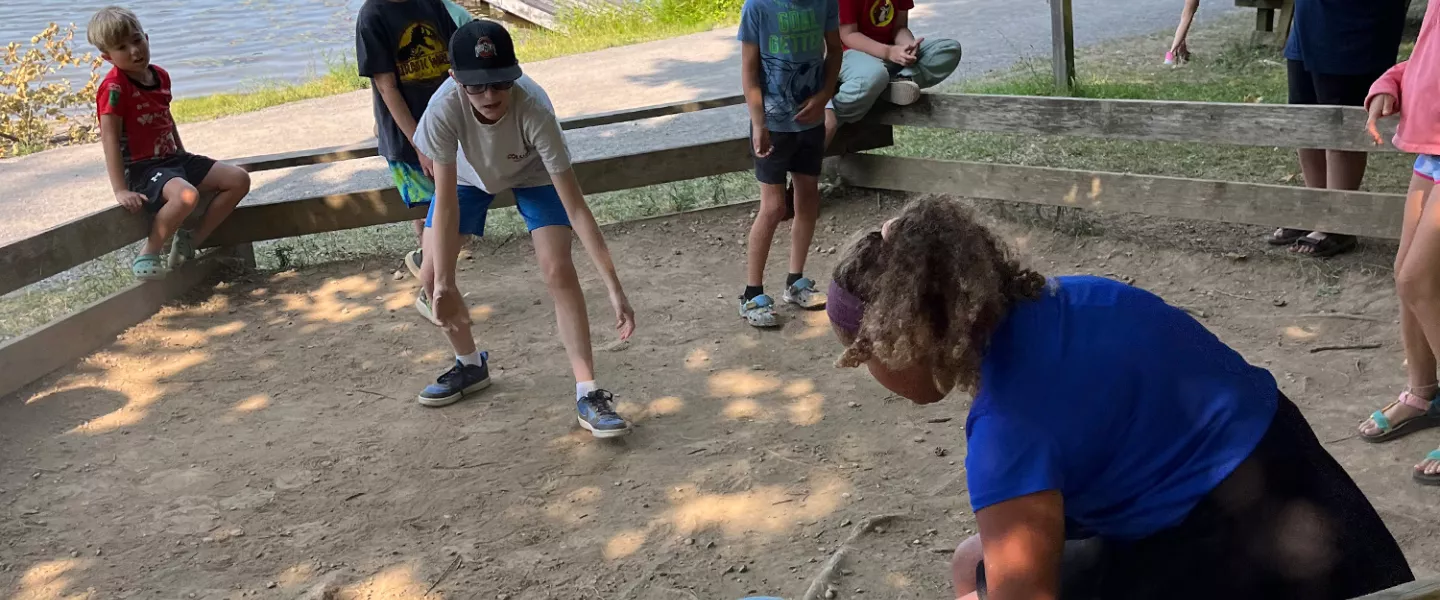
(422, 55)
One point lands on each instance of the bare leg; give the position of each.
(962, 566)
(1418, 282)
(552, 250)
(832, 125)
(231, 184)
(420, 233)
(180, 200)
(1343, 171)
(807, 211)
(762, 232)
(461, 334)
(1420, 363)
(1187, 17)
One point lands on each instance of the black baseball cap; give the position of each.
(482, 52)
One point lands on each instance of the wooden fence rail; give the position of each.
(1330, 127)
(55, 250)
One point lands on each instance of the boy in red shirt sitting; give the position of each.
(148, 166)
(883, 58)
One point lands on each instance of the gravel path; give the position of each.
(46, 189)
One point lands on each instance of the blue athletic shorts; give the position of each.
(540, 206)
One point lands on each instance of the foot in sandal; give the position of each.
(1428, 471)
(1324, 245)
(1413, 411)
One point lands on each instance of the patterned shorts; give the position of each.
(415, 187)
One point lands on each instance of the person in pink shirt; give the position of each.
(1412, 89)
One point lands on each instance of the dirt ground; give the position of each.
(263, 442)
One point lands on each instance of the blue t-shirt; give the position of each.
(1346, 37)
(1125, 404)
(791, 37)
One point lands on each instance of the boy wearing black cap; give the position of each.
(490, 129)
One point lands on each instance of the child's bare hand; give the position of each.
(624, 315)
(448, 306)
(426, 165)
(813, 110)
(900, 55)
(760, 140)
(131, 201)
(1381, 106)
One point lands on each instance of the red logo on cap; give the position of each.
(484, 48)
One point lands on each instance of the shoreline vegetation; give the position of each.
(581, 28)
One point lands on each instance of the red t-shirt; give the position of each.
(147, 130)
(876, 18)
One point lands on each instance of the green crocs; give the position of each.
(148, 267)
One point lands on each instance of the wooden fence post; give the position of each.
(1062, 42)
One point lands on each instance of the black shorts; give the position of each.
(1287, 523)
(1338, 90)
(791, 152)
(149, 177)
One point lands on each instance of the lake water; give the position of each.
(212, 45)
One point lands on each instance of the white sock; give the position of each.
(472, 359)
(583, 389)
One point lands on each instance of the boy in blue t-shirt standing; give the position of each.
(790, 61)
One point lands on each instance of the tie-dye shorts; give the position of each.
(416, 189)
(1428, 166)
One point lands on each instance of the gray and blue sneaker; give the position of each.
(802, 293)
(759, 312)
(182, 248)
(597, 414)
(461, 379)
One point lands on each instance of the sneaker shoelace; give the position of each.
(451, 375)
(602, 402)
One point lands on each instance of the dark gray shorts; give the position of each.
(791, 152)
(149, 177)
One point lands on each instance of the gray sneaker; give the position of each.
(903, 92)
(423, 306)
(413, 260)
(802, 293)
(182, 248)
(759, 312)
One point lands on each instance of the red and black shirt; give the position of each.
(147, 130)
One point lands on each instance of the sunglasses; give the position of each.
(499, 86)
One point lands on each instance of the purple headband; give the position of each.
(844, 308)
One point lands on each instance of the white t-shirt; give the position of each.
(522, 149)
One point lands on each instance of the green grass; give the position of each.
(583, 28)
(586, 28)
(339, 77)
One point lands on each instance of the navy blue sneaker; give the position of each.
(597, 413)
(461, 379)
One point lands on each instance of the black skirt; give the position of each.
(1287, 523)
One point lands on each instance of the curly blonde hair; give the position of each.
(935, 288)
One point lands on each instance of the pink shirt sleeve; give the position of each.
(1389, 83)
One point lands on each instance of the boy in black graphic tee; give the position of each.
(403, 47)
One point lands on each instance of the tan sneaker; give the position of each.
(903, 92)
